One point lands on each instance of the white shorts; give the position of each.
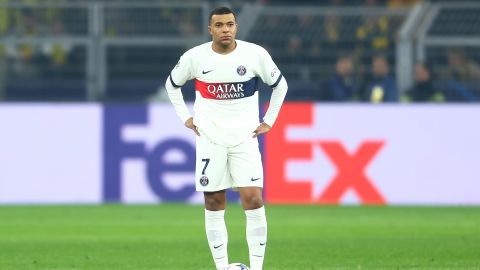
(220, 167)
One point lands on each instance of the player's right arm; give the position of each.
(180, 74)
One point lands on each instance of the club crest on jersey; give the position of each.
(204, 180)
(241, 70)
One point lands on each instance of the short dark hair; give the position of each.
(221, 11)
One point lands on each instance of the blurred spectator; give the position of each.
(56, 53)
(462, 74)
(325, 42)
(382, 88)
(373, 36)
(329, 36)
(374, 33)
(23, 55)
(341, 86)
(423, 90)
(332, 30)
(461, 67)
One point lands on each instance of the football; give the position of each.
(237, 266)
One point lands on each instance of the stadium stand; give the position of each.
(456, 22)
(308, 46)
(123, 51)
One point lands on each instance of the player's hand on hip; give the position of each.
(263, 128)
(189, 124)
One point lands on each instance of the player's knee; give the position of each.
(214, 204)
(215, 201)
(252, 202)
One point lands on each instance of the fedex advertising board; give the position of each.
(50, 153)
(374, 154)
(149, 156)
(316, 153)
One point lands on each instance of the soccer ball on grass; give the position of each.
(237, 266)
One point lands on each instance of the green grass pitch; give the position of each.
(171, 236)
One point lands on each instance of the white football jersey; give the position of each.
(226, 105)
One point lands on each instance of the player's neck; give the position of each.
(218, 48)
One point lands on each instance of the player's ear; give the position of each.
(209, 29)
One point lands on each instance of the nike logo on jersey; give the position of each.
(215, 247)
(262, 244)
(205, 72)
(255, 179)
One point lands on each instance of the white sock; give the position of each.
(256, 236)
(217, 237)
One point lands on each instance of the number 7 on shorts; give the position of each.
(206, 160)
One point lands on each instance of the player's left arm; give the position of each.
(271, 75)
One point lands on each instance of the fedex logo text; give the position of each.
(349, 165)
(157, 166)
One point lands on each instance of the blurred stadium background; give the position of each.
(100, 50)
(382, 109)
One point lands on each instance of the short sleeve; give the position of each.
(269, 72)
(181, 73)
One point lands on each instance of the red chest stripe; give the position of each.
(227, 90)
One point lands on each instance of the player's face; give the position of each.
(223, 29)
